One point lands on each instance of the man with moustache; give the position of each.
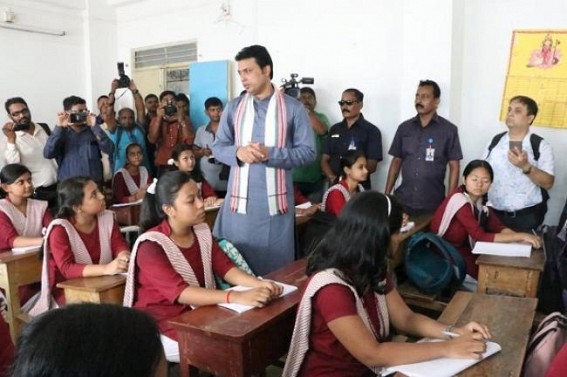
(354, 132)
(77, 142)
(262, 135)
(23, 142)
(421, 149)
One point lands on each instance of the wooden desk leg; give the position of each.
(11, 290)
(185, 367)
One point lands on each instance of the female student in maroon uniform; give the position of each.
(129, 184)
(354, 172)
(84, 240)
(349, 303)
(463, 217)
(22, 218)
(173, 262)
(183, 158)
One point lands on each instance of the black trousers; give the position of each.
(524, 220)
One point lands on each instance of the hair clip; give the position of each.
(171, 161)
(152, 187)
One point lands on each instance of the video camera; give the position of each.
(291, 86)
(123, 79)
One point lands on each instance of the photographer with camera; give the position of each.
(77, 142)
(126, 129)
(169, 128)
(23, 142)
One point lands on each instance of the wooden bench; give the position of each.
(17, 270)
(513, 276)
(99, 290)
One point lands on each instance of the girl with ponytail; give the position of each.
(173, 262)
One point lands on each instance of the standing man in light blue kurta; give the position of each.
(263, 134)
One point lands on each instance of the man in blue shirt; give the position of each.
(422, 149)
(77, 141)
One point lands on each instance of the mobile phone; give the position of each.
(515, 145)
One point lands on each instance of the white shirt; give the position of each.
(513, 190)
(28, 151)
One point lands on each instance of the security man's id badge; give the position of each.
(430, 154)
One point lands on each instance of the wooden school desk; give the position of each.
(98, 290)
(17, 270)
(510, 321)
(225, 343)
(211, 216)
(514, 276)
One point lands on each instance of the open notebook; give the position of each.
(503, 249)
(443, 367)
(239, 308)
(25, 249)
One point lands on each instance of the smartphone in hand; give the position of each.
(515, 145)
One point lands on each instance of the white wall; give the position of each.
(43, 69)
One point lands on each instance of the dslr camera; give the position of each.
(291, 86)
(170, 109)
(123, 79)
(78, 118)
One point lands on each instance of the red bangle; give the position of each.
(227, 298)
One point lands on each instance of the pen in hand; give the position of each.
(452, 335)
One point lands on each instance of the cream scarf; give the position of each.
(274, 136)
(177, 260)
(44, 301)
(300, 339)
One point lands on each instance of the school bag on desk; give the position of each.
(433, 264)
(550, 336)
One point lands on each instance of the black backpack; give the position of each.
(45, 128)
(554, 277)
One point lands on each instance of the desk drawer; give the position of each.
(509, 281)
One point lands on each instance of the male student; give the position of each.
(204, 138)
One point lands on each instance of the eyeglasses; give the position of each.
(16, 114)
(348, 103)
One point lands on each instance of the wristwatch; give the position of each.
(528, 171)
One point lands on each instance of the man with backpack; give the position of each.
(523, 166)
(23, 142)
